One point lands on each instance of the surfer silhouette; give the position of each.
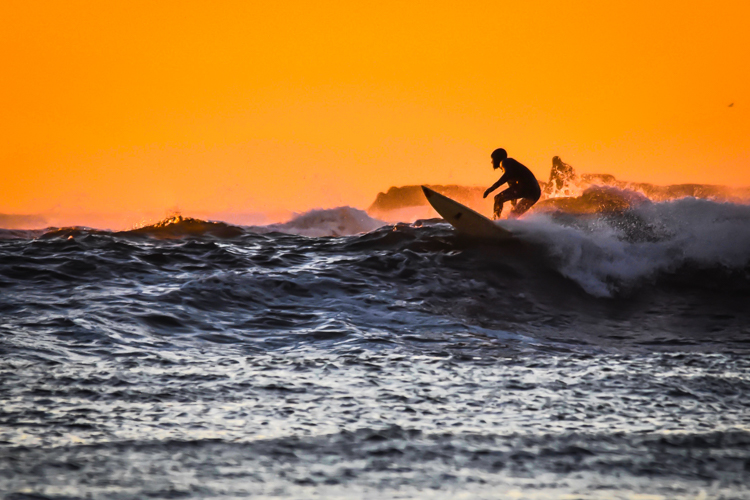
(522, 185)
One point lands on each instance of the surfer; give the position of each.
(522, 185)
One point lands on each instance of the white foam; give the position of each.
(604, 258)
(341, 221)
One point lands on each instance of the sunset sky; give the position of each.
(252, 106)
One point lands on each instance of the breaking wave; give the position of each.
(611, 253)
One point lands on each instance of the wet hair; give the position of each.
(498, 155)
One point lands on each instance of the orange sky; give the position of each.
(249, 106)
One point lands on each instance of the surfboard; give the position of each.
(464, 219)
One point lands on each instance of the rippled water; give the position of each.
(599, 357)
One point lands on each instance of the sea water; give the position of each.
(335, 356)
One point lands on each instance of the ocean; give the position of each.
(598, 355)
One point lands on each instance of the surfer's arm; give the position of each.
(496, 185)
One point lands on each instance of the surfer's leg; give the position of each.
(522, 206)
(500, 199)
(498, 209)
(525, 200)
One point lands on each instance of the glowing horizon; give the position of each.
(251, 107)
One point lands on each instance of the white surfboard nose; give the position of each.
(463, 218)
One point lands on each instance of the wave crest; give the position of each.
(607, 255)
(341, 221)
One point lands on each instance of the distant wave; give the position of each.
(10, 221)
(181, 227)
(175, 227)
(341, 221)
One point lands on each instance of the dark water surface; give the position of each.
(593, 357)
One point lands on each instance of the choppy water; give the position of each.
(599, 356)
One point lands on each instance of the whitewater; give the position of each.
(594, 355)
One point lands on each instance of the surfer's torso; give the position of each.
(521, 179)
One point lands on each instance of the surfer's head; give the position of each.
(498, 156)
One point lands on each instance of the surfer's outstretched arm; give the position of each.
(496, 185)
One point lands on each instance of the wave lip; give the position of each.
(184, 227)
(341, 221)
